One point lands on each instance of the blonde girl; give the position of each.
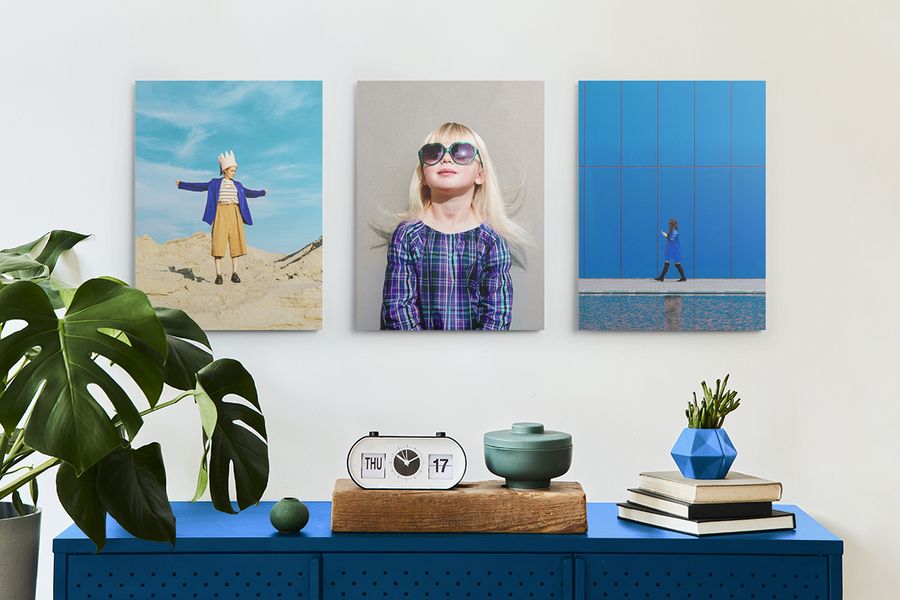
(448, 261)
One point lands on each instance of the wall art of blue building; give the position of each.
(654, 150)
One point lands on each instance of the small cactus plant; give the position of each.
(710, 412)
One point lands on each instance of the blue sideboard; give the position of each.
(242, 557)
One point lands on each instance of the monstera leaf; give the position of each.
(10, 263)
(59, 292)
(238, 436)
(184, 359)
(60, 241)
(78, 496)
(129, 484)
(13, 260)
(66, 420)
(19, 262)
(51, 370)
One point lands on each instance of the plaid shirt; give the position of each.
(440, 280)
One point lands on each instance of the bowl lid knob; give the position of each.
(527, 428)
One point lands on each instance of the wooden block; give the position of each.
(481, 506)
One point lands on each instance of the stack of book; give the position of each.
(739, 503)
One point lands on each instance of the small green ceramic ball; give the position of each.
(289, 515)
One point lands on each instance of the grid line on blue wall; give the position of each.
(581, 180)
(621, 174)
(694, 183)
(673, 166)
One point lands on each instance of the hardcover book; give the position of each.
(736, 487)
(687, 510)
(776, 520)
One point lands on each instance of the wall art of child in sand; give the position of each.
(226, 211)
(194, 133)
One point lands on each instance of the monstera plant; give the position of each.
(64, 356)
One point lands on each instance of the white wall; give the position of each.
(820, 401)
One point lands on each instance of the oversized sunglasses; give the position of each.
(462, 153)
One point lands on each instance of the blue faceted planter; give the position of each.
(704, 453)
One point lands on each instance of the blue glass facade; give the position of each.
(695, 151)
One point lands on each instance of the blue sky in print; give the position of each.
(275, 131)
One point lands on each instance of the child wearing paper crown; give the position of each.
(227, 211)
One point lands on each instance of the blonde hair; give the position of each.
(487, 201)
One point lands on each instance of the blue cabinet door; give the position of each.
(189, 576)
(446, 576)
(701, 577)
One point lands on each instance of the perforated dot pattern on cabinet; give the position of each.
(189, 577)
(705, 577)
(441, 576)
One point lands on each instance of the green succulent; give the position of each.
(711, 411)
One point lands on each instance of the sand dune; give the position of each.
(276, 291)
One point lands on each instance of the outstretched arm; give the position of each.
(192, 187)
(400, 299)
(254, 193)
(495, 305)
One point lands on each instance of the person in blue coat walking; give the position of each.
(673, 251)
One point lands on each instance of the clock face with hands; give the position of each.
(407, 462)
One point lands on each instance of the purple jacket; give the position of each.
(211, 188)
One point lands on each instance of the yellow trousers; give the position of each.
(228, 229)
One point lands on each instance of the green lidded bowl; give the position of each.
(527, 456)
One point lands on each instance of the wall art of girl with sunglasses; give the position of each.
(448, 261)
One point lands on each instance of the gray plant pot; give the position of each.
(20, 539)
